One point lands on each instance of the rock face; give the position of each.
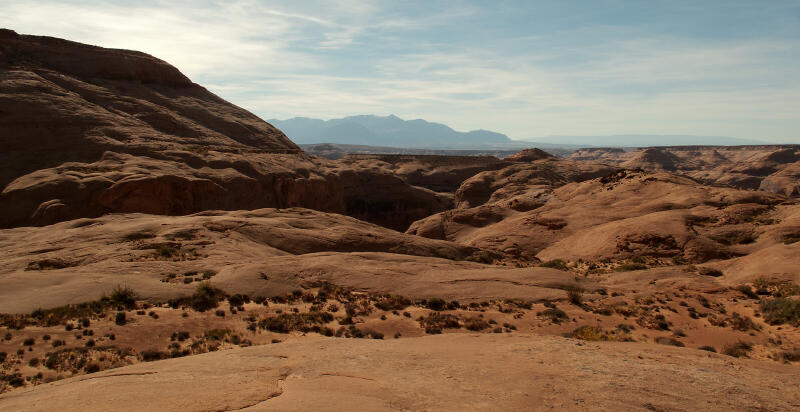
(528, 155)
(554, 209)
(535, 373)
(438, 173)
(91, 256)
(87, 131)
(768, 168)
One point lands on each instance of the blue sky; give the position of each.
(524, 68)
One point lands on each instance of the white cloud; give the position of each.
(331, 59)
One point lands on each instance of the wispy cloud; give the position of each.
(523, 70)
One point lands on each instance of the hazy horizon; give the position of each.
(541, 69)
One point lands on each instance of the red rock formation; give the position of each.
(87, 131)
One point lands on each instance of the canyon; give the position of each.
(154, 235)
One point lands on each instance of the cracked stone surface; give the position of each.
(446, 372)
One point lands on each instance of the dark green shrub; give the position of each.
(669, 341)
(439, 321)
(123, 296)
(708, 348)
(781, 310)
(555, 264)
(92, 368)
(14, 380)
(792, 355)
(238, 300)
(180, 336)
(392, 302)
(738, 349)
(554, 314)
(575, 295)
(304, 322)
(475, 324)
(628, 267)
(747, 291)
(206, 297)
(29, 341)
(436, 304)
(167, 251)
(153, 355)
(120, 319)
(710, 272)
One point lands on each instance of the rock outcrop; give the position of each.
(87, 131)
(742, 167)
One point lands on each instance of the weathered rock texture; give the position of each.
(87, 131)
(769, 168)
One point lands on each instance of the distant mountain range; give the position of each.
(383, 131)
(392, 131)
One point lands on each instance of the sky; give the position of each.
(523, 68)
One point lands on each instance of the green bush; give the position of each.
(554, 314)
(669, 341)
(436, 304)
(392, 302)
(120, 319)
(747, 291)
(628, 267)
(304, 322)
(554, 264)
(738, 349)
(206, 297)
(153, 355)
(123, 296)
(475, 324)
(167, 251)
(575, 295)
(710, 272)
(437, 321)
(781, 310)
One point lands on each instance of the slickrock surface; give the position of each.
(445, 373)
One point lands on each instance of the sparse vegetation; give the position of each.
(167, 252)
(628, 267)
(303, 322)
(575, 295)
(710, 272)
(596, 333)
(475, 324)
(392, 302)
(663, 340)
(781, 310)
(123, 296)
(554, 314)
(435, 322)
(738, 350)
(555, 264)
(436, 304)
(747, 291)
(205, 297)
